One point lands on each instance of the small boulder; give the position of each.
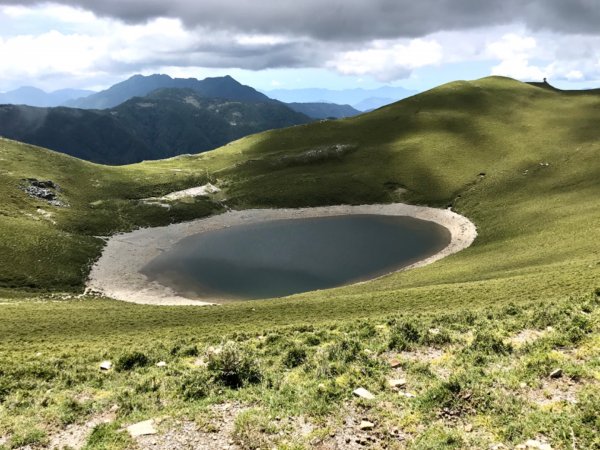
(161, 364)
(363, 393)
(397, 383)
(105, 365)
(365, 425)
(144, 428)
(556, 373)
(395, 363)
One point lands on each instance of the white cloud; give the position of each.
(51, 52)
(388, 60)
(574, 75)
(512, 46)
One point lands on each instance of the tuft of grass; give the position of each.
(107, 437)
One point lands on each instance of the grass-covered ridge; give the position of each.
(520, 161)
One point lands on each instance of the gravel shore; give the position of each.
(117, 273)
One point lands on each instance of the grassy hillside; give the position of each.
(520, 161)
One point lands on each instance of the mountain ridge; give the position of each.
(139, 85)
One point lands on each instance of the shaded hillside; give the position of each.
(164, 124)
(140, 85)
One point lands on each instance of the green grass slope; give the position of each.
(520, 161)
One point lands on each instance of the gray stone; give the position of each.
(395, 363)
(397, 383)
(363, 393)
(365, 425)
(144, 428)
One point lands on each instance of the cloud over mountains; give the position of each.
(384, 39)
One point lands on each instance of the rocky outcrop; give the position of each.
(43, 190)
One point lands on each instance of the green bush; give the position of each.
(346, 350)
(131, 360)
(232, 366)
(436, 338)
(195, 385)
(403, 335)
(294, 357)
(490, 344)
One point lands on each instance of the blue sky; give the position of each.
(288, 45)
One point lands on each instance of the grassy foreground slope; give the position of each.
(520, 161)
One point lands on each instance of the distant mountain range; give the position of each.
(164, 123)
(157, 116)
(360, 99)
(36, 97)
(139, 86)
(316, 103)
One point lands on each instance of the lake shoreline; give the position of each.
(117, 273)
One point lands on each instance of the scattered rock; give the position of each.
(556, 373)
(397, 383)
(365, 425)
(43, 190)
(144, 428)
(395, 363)
(363, 393)
(408, 395)
(161, 364)
(469, 427)
(105, 365)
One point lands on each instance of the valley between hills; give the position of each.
(496, 346)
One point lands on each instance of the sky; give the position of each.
(290, 44)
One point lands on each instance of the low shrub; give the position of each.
(294, 357)
(131, 360)
(233, 366)
(403, 335)
(195, 385)
(489, 344)
(436, 337)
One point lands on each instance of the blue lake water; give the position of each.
(283, 257)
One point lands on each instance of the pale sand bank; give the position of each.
(117, 273)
